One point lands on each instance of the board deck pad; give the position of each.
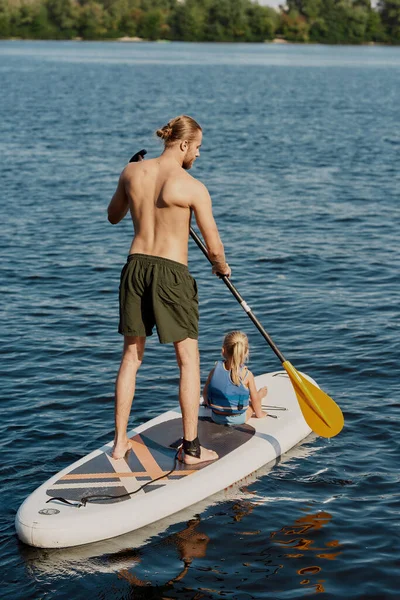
(152, 456)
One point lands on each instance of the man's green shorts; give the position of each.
(161, 292)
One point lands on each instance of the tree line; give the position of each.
(322, 21)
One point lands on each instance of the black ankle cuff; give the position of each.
(191, 448)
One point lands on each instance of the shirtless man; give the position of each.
(156, 286)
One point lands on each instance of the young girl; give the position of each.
(230, 389)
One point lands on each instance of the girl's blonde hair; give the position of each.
(236, 350)
(180, 128)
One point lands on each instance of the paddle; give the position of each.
(321, 413)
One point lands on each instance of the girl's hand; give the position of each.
(261, 415)
(263, 392)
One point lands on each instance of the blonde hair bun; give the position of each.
(165, 132)
(180, 128)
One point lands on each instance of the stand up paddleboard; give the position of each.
(122, 552)
(108, 497)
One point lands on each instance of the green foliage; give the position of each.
(152, 25)
(390, 15)
(295, 27)
(263, 22)
(5, 20)
(343, 23)
(322, 21)
(26, 20)
(64, 17)
(335, 21)
(375, 29)
(311, 9)
(92, 21)
(41, 28)
(188, 22)
(223, 21)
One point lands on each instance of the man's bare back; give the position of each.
(161, 196)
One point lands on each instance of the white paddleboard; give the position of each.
(121, 552)
(242, 449)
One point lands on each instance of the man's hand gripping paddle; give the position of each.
(138, 156)
(321, 413)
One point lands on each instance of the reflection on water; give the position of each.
(301, 538)
(300, 541)
(185, 562)
(190, 543)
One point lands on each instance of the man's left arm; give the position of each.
(119, 204)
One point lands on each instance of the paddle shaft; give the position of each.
(239, 298)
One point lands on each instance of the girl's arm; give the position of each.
(256, 396)
(205, 395)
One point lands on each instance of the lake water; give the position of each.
(301, 155)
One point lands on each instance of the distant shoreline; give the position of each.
(137, 40)
(326, 22)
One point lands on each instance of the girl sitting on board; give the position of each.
(230, 390)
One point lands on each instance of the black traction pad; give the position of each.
(223, 439)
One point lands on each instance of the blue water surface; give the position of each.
(301, 155)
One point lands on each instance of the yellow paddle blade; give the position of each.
(321, 413)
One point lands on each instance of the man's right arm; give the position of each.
(119, 205)
(202, 208)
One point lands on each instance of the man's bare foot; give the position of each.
(205, 456)
(119, 450)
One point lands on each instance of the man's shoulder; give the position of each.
(130, 171)
(183, 182)
(134, 168)
(200, 190)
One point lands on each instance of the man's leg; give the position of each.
(132, 357)
(187, 355)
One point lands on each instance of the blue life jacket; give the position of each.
(224, 396)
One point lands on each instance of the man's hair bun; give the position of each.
(180, 128)
(165, 132)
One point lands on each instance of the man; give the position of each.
(156, 287)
